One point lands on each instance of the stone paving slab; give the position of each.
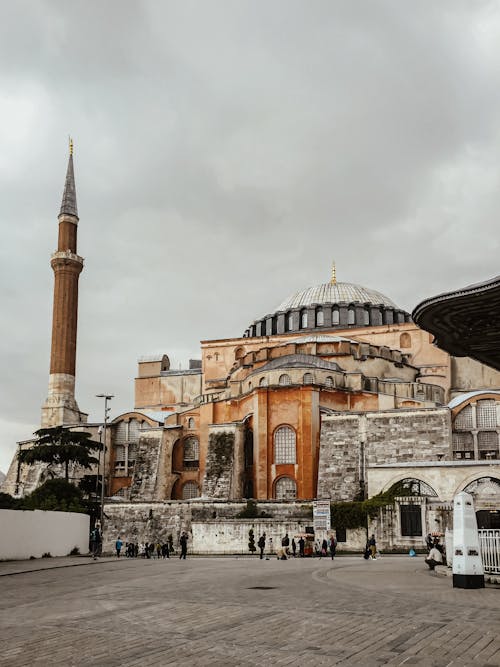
(8, 567)
(199, 612)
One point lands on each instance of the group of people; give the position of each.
(436, 552)
(290, 547)
(155, 549)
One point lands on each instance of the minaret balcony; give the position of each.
(65, 257)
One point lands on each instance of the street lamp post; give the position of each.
(107, 397)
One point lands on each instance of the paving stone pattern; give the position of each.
(198, 612)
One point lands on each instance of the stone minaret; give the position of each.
(60, 406)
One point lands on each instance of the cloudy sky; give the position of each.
(225, 152)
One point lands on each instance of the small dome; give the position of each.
(335, 293)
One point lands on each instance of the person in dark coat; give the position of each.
(262, 545)
(302, 544)
(333, 547)
(184, 545)
(294, 547)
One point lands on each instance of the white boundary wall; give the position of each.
(26, 533)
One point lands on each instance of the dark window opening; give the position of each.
(411, 520)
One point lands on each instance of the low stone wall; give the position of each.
(214, 527)
(28, 533)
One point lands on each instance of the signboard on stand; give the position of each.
(321, 515)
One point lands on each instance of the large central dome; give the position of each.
(335, 293)
(331, 305)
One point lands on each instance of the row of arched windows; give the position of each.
(307, 378)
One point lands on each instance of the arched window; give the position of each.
(262, 382)
(351, 316)
(191, 422)
(284, 445)
(412, 487)
(366, 317)
(303, 319)
(320, 318)
(284, 379)
(285, 489)
(191, 452)
(405, 340)
(329, 382)
(290, 322)
(239, 353)
(190, 490)
(308, 378)
(335, 316)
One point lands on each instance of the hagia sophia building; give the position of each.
(335, 394)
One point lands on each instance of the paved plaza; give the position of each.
(242, 611)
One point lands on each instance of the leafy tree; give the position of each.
(8, 502)
(90, 485)
(59, 445)
(56, 494)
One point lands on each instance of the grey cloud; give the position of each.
(226, 152)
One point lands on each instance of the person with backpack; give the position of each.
(118, 546)
(262, 545)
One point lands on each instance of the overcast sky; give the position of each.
(225, 153)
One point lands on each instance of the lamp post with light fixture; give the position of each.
(106, 397)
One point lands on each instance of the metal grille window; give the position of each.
(190, 490)
(284, 379)
(463, 445)
(329, 382)
(132, 453)
(286, 489)
(121, 433)
(120, 458)
(487, 442)
(284, 445)
(486, 414)
(411, 520)
(308, 378)
(320, 318)
(463, 421)
(133, 430)
(191, 453)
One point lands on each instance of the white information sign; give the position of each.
(321, 515)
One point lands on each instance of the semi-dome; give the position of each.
(332, 305)
(335, 293)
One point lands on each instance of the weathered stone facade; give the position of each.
(350, 444)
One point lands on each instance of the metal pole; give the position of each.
(107, 397)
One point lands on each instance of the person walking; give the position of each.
(285, 543)
(294, 547)
(333, 546)
(262, 545)
(373, 547)
(184, 545)
(118, 546)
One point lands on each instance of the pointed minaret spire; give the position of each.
(333, 280)
(61, 406)
(68, 205)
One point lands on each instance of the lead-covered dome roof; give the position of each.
(333, 305)
(335, 293)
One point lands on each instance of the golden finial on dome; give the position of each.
(70, 146)
(333, 280)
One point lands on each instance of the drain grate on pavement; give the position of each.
(261, 588)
